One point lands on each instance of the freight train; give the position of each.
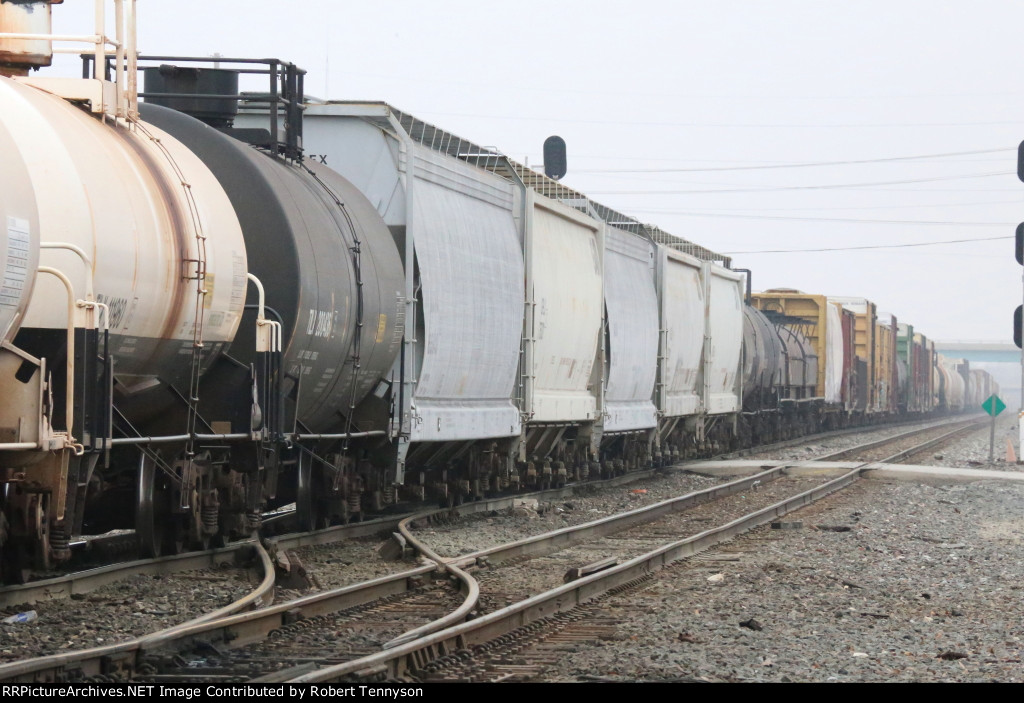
(214, 303)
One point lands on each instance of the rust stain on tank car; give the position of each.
(176, 224)
(17, 56)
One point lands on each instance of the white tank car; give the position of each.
(19, 237)
(137, 226)
(19, 257)
(147, 213)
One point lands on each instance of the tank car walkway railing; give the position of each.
(122, 46)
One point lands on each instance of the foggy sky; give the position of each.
(647, 86)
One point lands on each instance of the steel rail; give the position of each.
(963, 425)
(900, 456)
(109, 659)
(389, 524)
(831, 434)
(246, 628)
(91, 579)
(469, 586)
(562, 538)
(262, 595)
(567, 536)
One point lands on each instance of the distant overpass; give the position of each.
(1001, 359)
(996, 352)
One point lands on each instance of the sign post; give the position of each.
(993, 405)
(1019, 247)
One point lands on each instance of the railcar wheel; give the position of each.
(157, 531)
(24, 535)
(14, 562)
(148, 530)
(306, 503)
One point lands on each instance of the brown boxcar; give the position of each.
(926, 379)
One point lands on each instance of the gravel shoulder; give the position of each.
(972, 451)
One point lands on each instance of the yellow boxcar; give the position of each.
(819, 321)
(886, 383)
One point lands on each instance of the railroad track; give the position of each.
(832, 434)
(511, 581)
(492, 647)
(909, 443)
(305, 644)
(81, 582)
(420, 642)
(104, 659)
(87, 580)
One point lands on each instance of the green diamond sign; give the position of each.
(993, 405)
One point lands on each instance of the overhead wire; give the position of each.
(855, 220)
(810, 164)
(659, 211)
(822, 186)
(868, 246)
(716, 125)
(562, 89)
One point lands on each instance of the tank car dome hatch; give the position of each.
(18, 56)
(188, 89)
(304, 224)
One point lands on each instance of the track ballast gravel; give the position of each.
(136, 606)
